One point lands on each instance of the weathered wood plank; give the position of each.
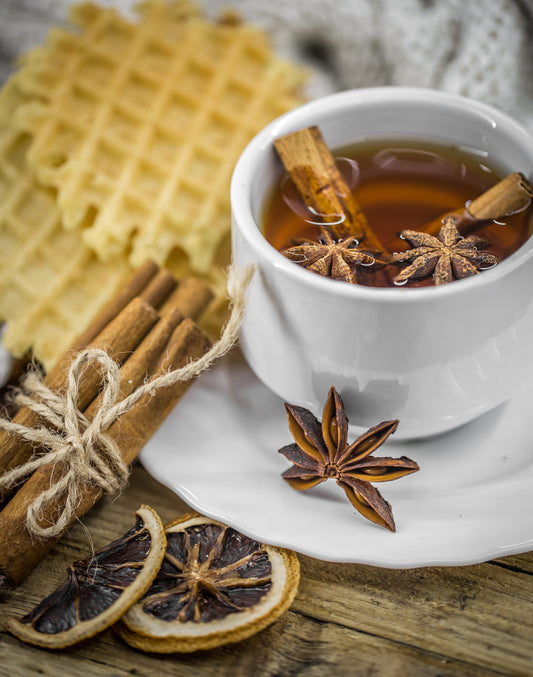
(522, 562)
(481, 614)
(346, 619)
(294, 645)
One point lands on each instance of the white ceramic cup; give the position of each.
(434, 357)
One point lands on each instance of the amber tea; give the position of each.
(401, 184)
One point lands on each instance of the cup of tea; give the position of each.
(435, 357)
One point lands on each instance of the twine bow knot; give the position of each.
(77, 448)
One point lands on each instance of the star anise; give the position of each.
(321, 451)
(335, 259)
(447, 257)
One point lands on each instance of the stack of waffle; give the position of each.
(117, 143)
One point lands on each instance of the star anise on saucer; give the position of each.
(447, 257)
(321, 451)
(335, 259)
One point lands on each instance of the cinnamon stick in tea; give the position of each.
(316, 177)
(130, 433)
(508, 196)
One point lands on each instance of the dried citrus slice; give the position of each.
(215, 586)
(98, 589)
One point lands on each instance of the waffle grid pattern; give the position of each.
(141, 147)
(117, 143)
(50, 282)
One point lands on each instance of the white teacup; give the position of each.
(434, 357)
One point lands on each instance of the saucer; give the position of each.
(471, 500)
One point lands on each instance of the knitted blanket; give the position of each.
(478, 48)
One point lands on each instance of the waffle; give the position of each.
(138, 126)
(51, 283)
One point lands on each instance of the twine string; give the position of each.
(81, 448)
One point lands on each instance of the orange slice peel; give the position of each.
(215, 587)
(99, 589)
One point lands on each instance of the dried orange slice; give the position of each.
(98, 589)
(216, 586)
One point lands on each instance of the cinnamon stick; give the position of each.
(140, 365)
(119, 338)
(510, 195)
(130, 433)
(192, 297)
(159, 288)
(131, 288)
(188, 342)
(146, 281)
(315, 175)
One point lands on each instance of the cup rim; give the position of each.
(243, 173)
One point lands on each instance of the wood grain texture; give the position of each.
(347, 619)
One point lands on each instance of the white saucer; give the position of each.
(471, 501)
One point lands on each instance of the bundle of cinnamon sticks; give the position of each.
(148, 328)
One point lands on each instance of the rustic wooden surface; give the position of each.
(346, 620)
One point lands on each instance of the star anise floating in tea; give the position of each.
(321, 451)
(335, 259)
(447, 257)
(345, 252)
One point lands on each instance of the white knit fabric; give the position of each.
(478, 48)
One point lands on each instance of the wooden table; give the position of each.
(347, 619)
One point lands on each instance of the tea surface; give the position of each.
(400, 184)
